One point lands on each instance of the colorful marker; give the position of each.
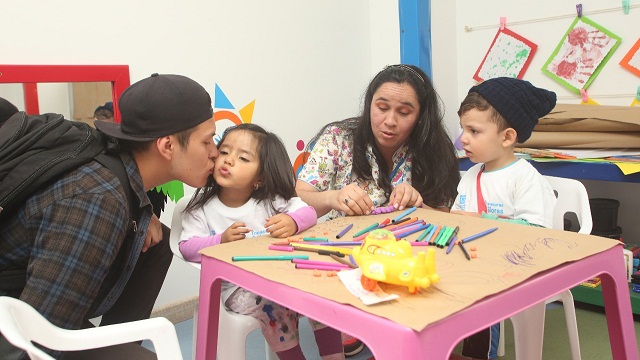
(344, 231)
(315, 239)
(409, 211)
(260, 258)
(451, 243)
(334, 267)
(480, 234)
(280, 247)
(367, 229)
(466, 254)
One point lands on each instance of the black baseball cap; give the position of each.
(157, 106)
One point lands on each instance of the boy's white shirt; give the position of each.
(517, 191)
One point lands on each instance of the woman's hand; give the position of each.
(404, 195)
(235, 232)
(352, 200)
(281, 226)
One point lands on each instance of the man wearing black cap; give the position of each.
(494, 116)
(73, 235)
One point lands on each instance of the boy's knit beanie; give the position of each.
(519, 102)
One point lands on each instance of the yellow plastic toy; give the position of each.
(382, 258)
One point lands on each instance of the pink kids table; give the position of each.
(415, 326)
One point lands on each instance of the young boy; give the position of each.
(494, 116)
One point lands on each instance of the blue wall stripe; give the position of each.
(415, 33)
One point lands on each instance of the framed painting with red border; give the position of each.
(509, 55)
(631, 61)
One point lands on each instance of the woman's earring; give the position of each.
(256, 186)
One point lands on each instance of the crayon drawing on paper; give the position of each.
(509, 55)
(581, 54)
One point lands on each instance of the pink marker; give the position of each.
(316, 262)
(280, 248)
(319, 267)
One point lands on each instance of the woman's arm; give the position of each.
(323, 201)
(351, 199)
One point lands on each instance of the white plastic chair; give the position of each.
(572, 197)
(233, 328)
(22, 325)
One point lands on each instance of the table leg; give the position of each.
(615, 292)
(208, 314)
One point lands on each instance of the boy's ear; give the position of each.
(166, 146)
(510, 137)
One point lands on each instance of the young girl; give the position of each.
(252, 194)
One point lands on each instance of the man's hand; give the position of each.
(154, 233)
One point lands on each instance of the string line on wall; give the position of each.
(548, 18)
(592, 96)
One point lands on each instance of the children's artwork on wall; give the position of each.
(226, 115)
(581, 54)
(509, 55)
(631, 61)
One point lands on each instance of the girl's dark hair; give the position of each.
(275, 172)
(434, 170)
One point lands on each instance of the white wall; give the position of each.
(614, 85)
(305, 63)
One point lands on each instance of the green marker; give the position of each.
(314, 239)
(367, 229)
(276, 257)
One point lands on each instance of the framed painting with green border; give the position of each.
(581, 54)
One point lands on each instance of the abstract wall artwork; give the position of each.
(631, 61)
(509, 55)
(581, 54)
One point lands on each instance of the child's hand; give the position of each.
(467, 213)
(281, 226)
(235, 232)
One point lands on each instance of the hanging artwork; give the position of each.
(509, 55)
(581, 54)
(631, 61)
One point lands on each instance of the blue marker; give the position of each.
(409, 211)
(480, 234)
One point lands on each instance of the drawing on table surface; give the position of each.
(526, 255)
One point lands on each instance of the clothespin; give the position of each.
(503, 22)
(579, 10)
(625, 6)
(584, 95)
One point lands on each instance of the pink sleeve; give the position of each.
(305, 217)
(190, 248)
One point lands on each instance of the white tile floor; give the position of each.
(255, 343)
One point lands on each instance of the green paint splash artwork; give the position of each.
(509, 55)
(173, 189)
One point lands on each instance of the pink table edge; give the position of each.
(437, 340)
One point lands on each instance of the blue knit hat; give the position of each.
(520, 103)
